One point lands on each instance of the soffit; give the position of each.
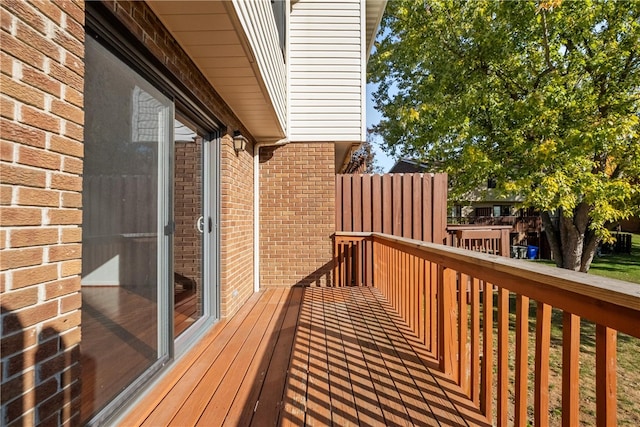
(212, 36)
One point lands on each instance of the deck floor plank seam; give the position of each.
(448, 402)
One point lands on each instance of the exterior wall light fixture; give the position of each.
(239, 142)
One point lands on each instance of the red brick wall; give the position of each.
(41, 133)
(297, 196)
(187, 248)
(236, 226)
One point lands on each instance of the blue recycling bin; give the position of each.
(532, 252)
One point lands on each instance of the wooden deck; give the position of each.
(305, 356)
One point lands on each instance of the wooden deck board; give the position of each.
(343, 404)
(229, 362)
(367, 404)
(307, 356)
(250, 355)
(267, 386)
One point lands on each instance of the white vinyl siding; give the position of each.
(256, 17)
(326, 69)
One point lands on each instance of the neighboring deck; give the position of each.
(314, 356)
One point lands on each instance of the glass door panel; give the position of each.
(191, 226)
(128, 126)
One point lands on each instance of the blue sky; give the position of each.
(373, 117)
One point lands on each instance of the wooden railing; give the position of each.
(439, 292)
(490, 239)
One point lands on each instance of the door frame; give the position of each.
(211, 246)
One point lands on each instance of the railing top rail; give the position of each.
(478, 227)
(352, 234)
(616, 292)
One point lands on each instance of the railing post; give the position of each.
(505, 244)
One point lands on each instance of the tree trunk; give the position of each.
(553, 237)
(571, 241)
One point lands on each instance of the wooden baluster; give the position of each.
(404, 294)
(463, 332)
(486, 372)
(422, 299)
(475, 341)
(417, 291)
(340, 266)
(543, 344)
(570, 369)
(335, 261)
(503, 353)
(411, 297)
(433, 315)
(522, 362)
(375, 263)
(447, 350)
(393, 267)
(348, 263)
(606, 381)
(358, 263)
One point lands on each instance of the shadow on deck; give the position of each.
(307, 356)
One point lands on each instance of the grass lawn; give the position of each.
(620, 266)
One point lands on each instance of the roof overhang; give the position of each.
(211, 34)
(375, 10)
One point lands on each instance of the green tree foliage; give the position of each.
(543, 96)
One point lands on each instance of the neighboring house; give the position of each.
(404, 165)
(483, 203)
(130, 222)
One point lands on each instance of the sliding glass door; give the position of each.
(149, 260)
(128, 128)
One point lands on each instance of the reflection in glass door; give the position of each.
(128, 126)
(190, 227)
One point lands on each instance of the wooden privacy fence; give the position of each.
(405, 205)
(438, 291)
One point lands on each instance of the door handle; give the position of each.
(200, 224)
